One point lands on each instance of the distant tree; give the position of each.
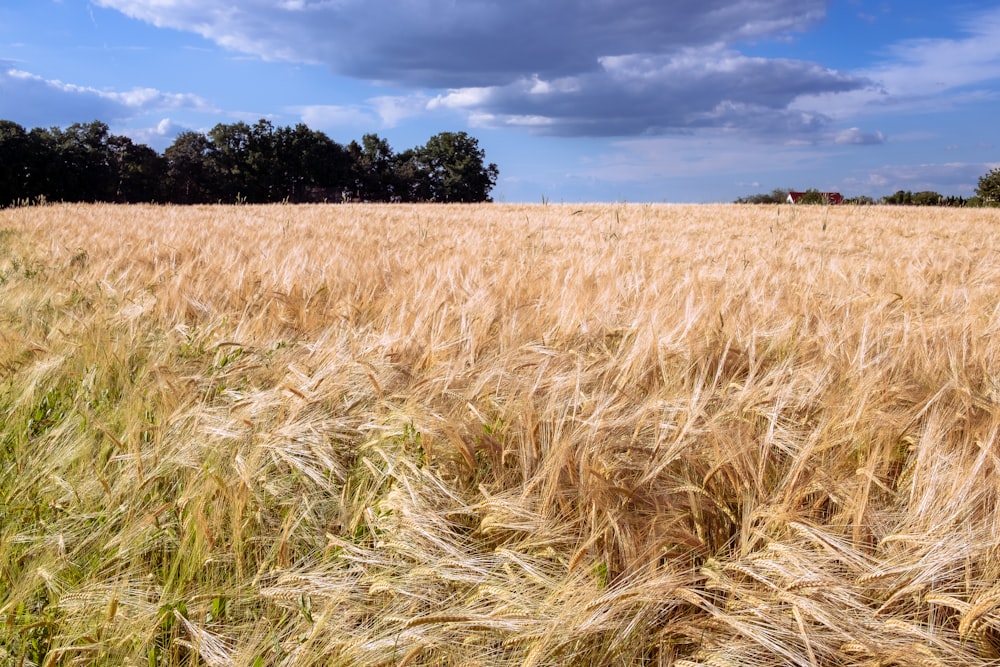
(989, 188)
(15, 158)
(83, 170)
(236, 162)
(192, 174)
(231, 153)
(776, 196)
(861, 200)
(137, 170)
(309, 166)
(412, 178)
(899, 198)
(455, 168)
(261, 182)
(926, 198)
(813, 196)
(44, 165)
(374, 168)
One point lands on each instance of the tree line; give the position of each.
(236, 162)
(987, 194)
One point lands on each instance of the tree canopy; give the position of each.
(989, 187)
(989, 183)
(236, 162)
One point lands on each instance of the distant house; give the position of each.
(826, 197)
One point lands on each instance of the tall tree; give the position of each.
(44, 165)
(989, 187)
(455, 168)
(411, 177)
(262, 184)
(138, 171)
(374, 165)
(192, 176)
(309, 166)
(231, 151)
(83, 170)
(14, 163)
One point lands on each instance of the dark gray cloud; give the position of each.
(630, 95)
(455, 43)
(563, 67)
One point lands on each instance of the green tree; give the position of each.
(137, 170)
(776, 196)
(14, 163)
(899, 198)
(262, 183)
(82, 169)
(44, 168)
(989, 188)
(927, 198)
(192, 174)
(813, 196)
(309, 166)
(374, 168)
(231, 153)
(411, 177)
(455, 168)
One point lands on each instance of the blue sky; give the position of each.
(575, 100)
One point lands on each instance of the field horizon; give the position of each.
(499, 434)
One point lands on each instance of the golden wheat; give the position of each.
(499, 435)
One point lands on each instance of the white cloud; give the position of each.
(515, 120)
(24, 95)
(462, 98)
(394, 108)
(332, 116)
(924, 75)
(159, 136)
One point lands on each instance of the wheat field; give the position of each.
(499, 435)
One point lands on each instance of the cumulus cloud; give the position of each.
(564, 67)
(24, 96)
(158, 136)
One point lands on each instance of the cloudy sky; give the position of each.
(575, 100)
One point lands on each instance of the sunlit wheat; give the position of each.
(499, 435)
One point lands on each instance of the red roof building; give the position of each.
(828, 197)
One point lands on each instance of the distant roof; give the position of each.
(828, 197)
